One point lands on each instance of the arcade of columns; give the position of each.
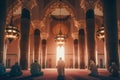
(111, 36)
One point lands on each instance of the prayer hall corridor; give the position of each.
(85, 34)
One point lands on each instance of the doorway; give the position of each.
(60, 53)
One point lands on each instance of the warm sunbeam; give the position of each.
(59, 53)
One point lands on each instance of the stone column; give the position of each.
(24, 42)
(36, 44)
(90, 30)
(111, 31)
(29, 44)
(2, 27)
(76, 52)
(43, 53)
(81, 40)
(18, 51)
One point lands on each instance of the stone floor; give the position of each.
(70, 74)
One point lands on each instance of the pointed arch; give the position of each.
(54, 4)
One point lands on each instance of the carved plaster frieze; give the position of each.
(55, 5)
(98, 8)
(99, 5)
(75, 35)
(88, 4)
(28, 4)
(37, 24)
(44, 35)
(79, 24)
(15, 6)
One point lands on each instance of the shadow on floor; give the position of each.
(30, 77)
(106, 78)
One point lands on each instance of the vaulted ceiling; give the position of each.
(41, 11)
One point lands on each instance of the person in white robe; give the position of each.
(60, 67)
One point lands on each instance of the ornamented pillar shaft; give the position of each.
(81, 40)
(90, 29)
(36, 44)
(43, 53)
(76, 52)
(111, 31)
(24, 42)
(2, 27)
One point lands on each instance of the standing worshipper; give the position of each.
(60, 67)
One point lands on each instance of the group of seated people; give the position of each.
(35, 69)
(113, 69)
(16, 70)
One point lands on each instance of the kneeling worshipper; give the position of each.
(15, 70)
(2, 70)
(93, 69)
(35, 69)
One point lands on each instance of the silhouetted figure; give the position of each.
(93, 69)
(61, 67)
(2, 69)
(61, 78)
(113, 69)
(15, 70)
(36, 69)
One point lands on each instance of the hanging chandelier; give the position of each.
(60, 38)
(11, 32)
(100, 33)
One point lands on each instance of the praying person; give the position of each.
(93, 69)
(60, 67)
(15, 70)
(36, 69)
(113, 69)
(2, 69)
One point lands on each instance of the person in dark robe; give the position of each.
(35, 69)
(93, 69)
(2, 69)
(113, 69)
(15, 70)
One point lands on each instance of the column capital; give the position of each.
(88, 4)
(28, 4)
(80, 24)
(44, 35)
(75, 35)
(38, 24)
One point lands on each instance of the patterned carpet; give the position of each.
(70, 74)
